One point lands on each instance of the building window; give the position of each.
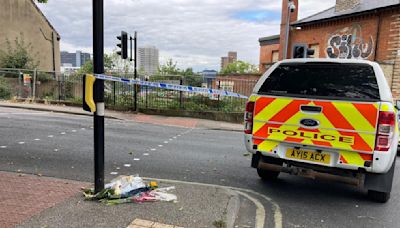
(315, 47)
(275, 56)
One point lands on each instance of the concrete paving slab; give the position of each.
(197, 206)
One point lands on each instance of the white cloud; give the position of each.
(194, 33)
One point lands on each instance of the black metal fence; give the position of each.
(59, 87)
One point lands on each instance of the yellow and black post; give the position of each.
(88, 103)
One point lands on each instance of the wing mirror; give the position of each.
(398, 104)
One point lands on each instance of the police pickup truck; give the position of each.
(324, 119)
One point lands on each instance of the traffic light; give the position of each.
(123, 45)
(88, 101)
(299, 52)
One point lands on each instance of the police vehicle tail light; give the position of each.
(248, 117)
(384, 135)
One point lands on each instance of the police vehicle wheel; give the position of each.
(266, 174)
(381, 197)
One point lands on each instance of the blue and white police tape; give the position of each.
(170, 86)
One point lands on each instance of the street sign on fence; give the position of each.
(27, 79)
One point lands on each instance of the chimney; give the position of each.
(293, 18)
(343, 5)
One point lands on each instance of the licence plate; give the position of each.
(307, 155)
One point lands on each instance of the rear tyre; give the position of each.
(381, 197)
(268, 174)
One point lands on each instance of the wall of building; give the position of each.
(333, 37)
(22, 17)
(393, 52)
(266, 59)
(374, 37)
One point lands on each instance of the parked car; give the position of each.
(322, 118)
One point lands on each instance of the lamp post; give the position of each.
(291, 8)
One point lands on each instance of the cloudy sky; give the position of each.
(193, 33)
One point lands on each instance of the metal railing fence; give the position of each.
(39, 85)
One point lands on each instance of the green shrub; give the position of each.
(5, 92)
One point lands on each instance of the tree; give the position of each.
(169, 68)
(86, 68)
(240, 67)
(42, 1)
(18, 56)
(116, 64)
(112, 63)
(191, 78)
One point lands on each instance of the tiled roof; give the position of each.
(269, 40)
(364, 6)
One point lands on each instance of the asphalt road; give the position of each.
(61, 146)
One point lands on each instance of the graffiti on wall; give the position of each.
(348, 43)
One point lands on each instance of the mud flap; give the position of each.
(255, 159)
(380, 182)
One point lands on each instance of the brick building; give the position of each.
(225, 61)
(269, 51)
(353, 29)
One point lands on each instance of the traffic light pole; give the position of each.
(98, 93)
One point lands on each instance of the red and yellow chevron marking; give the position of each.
(354, 158)
(343, 125)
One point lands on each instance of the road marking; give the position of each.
(24, 113)
(37, 139)
(117, 168)
(171, 139)
(20, 143)
(160, 145)
(146, 154)
(174, 137)
(278, 219)
(165, 142)
(179, 135)
(127, 165)
(83, 129)
(55, 150)
(153, 149)
(260, 211)
(114, 173)
(3, 147)
(73, 131)
(50, 136)
(63, 133)
(136, 159)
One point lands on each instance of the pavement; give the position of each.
(38, 201)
